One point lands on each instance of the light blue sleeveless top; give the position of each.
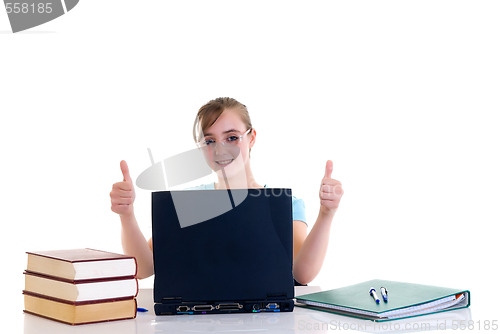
(298, 205)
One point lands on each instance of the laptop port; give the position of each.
(272, 306)
(183, 308)
(203, 308)
(229, 306)
(256, 307)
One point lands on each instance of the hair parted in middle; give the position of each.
(211, 111)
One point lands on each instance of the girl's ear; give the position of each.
(252, 133)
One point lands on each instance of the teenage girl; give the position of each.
(223, 127)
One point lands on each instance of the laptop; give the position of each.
(222, 251)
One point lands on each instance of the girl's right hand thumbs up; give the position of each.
(122, 194)
(125, 172)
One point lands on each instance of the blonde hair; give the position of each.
(211, 111)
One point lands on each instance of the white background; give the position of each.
(402, 96)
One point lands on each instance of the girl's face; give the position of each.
(227, 144)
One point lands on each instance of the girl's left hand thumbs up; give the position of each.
(330, 191)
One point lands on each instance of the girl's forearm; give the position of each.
(134, 244)
(310, 258)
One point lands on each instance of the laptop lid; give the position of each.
(243, 253)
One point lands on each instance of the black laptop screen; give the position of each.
(243, 253)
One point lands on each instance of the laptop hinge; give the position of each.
(277, 295)
(172, 299)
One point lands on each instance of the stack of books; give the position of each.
(80, 286)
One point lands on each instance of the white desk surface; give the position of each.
(301, 320)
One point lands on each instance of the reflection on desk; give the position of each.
(301, 320)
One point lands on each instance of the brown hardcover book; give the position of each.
(82, 312)
(79, 291)
(81, 264)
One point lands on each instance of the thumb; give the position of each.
(125, 172)
(328, 169)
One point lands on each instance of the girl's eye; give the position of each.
(209, 141)
(232, 138)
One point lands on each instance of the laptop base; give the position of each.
(255, 306)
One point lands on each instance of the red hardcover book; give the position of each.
(81, 264)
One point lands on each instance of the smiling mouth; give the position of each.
(224, 162)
